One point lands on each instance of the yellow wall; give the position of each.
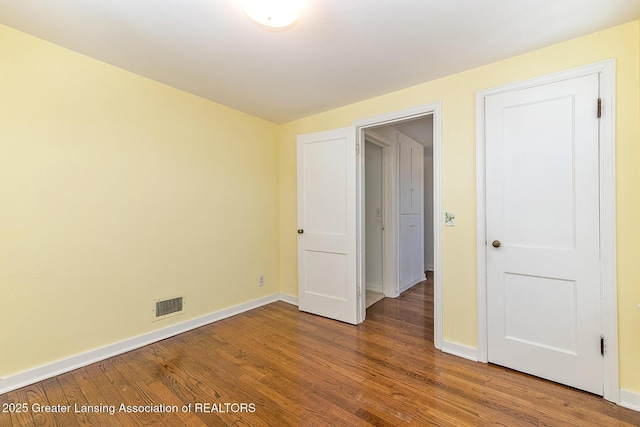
(457, 93)
(116, 190)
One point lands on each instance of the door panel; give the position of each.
(538, 174)
(417, 179)
(327, 217)
(406, 246)
(411, 250)
(543, 281)
(525, 298)
(412, 206)
(406, 186)
(324, 178)
(417, 248)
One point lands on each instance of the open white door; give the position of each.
(327, 277)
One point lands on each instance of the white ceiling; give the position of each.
(339, 52)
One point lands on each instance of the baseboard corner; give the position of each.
(289, 299)
(460, 350)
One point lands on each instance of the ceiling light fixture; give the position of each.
(273, 13)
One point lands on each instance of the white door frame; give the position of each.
(389, 201)
(606, 72)
(434, 109)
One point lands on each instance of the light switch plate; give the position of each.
(449, 219)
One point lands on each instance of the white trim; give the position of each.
(375, 141)
(78, 361)
(411, 285)
(434, 109)
(390, 209)
(361, 291)
(437, 225)
(289, 299)
(481, 232)
(460, 350)
(608, 277)
(398, 116)
(606, 71)
(630, 399)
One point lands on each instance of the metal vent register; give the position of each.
(169, 306)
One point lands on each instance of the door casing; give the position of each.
(606, 73)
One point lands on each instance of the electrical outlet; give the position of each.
(261, 280)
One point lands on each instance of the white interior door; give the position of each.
(411, 212)
(406, 176)
(327, 278)
(542, 210)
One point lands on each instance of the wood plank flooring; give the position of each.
(275, 366)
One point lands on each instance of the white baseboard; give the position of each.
(407, 287)
(373, 288)
(460, 350)
(630, 399)
(78, 361)
(289, 299)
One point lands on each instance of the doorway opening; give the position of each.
(400, 242)
(412, 142)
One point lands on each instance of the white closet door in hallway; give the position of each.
(411, 211)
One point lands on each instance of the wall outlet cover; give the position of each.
(449, 219)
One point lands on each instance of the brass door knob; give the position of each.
(300, 231)
(496, 243)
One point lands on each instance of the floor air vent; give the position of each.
(168, 307)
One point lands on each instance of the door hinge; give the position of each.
(599, 107)
(357, 148)
(358, 292)
(602, 345)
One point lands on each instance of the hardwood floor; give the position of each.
(275, 366)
